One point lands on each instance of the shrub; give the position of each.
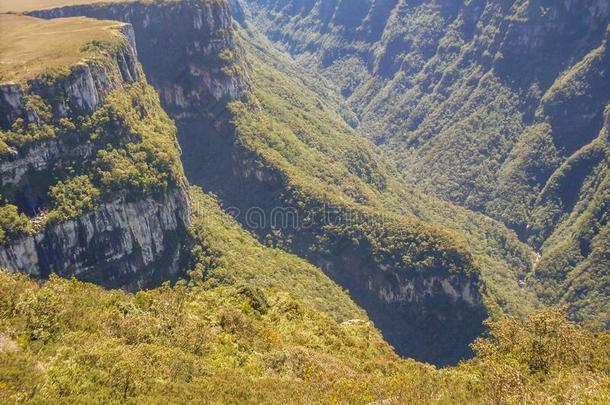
(12, 223)
(73, 197)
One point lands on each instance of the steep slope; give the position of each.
(91, 183)
(574, 269)
(225, 254)
(216, 242)
(423, 274)
(482, 103)
(70, 342)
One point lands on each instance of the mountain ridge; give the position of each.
(477, 102)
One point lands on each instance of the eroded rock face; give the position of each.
(121, 244)
(10, 104)
(40, 157)
(128, 241)
(187, 49)
(79, 93)
(429, 317)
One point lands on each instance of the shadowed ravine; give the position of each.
(431, 317)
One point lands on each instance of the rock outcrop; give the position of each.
(120, 244)
(128, 240)
(187, 49)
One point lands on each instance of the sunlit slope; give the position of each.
(66, 341)
(299, 132)
(20, 6)
(31, 46)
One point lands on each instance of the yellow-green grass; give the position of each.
(21, 6)
(30, 46)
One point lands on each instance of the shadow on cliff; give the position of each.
(434, 327)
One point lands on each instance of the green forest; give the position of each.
(304, 202)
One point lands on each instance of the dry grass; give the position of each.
(21, 6)
(29, 46)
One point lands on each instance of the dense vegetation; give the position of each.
(12, 224)
(224, 254)
(254, 324)
(72, 342)
(324, 162)
(378, 224)
(479, 104)
(135, 154)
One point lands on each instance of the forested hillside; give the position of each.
(426, 272)
(306, 264)
(399, 268)
(65, 341)
(498, 106)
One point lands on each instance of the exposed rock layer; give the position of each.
(128, 242)
(187, 49)
(121, 244)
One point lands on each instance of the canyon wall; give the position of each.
(128, 239)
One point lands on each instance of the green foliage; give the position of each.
(73, 197)
(225, 254)
(545, 359)
(22, 134)
(86, 343)
(4, 148)
(12, 223)
(472, 113)
(322, 162)
(542, 345)
(66, 341)
(134, 153)
(150, 161)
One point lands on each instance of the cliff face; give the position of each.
(518, 87)
(189, 54)
(187, 49)
(431, 317)
(121, 244)
(57, 128)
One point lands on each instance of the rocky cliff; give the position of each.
(57, 130)
(432, 315)
(121, 244)
(187, 49)
(494, 105)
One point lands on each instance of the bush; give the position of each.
(13, 224)
(73, 197)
